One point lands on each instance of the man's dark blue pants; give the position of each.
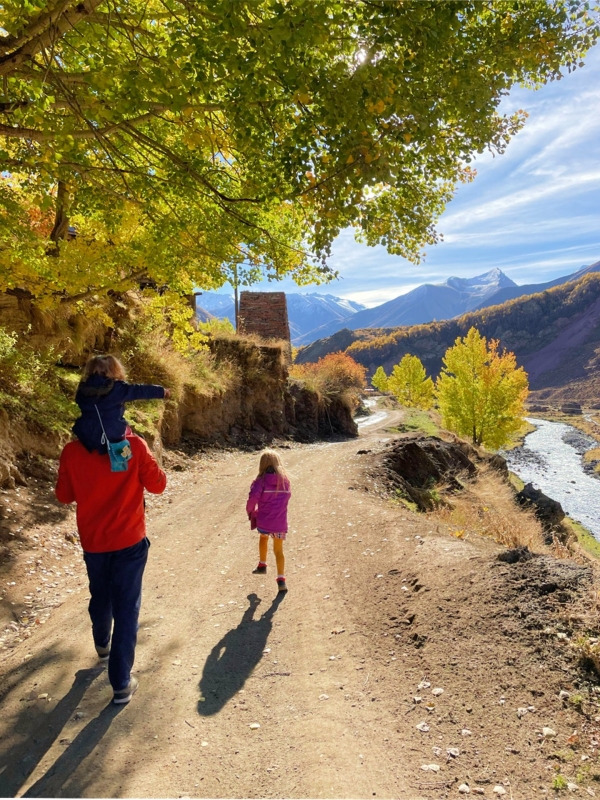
(116, 595)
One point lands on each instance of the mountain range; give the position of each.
(437, 301)
(555, 335)
(318, 316)
(306, 312)
(425, 303)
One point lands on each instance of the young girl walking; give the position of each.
(267, 507)
(101, 397)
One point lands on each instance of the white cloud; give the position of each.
(374, 297)
(543, 230)
(513, 203)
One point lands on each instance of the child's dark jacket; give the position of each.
(110, 397)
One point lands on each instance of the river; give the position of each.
(551, 459)
(372, 419)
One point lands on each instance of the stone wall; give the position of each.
(264, 314)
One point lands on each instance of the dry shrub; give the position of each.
(335, 375)
(145, 343)
(487, 507)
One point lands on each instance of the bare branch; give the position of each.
(35, 27)
(55, 27)
(61, 219)
(91, 133)
(135, 278)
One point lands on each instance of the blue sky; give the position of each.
(533, 211)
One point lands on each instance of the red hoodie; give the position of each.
(110, 505)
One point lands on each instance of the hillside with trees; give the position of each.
(555, 335)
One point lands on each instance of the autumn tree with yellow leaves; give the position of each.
(410, 385)
(168, 141)
(481, 391)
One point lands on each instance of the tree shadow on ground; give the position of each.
(52, 783)
(23, 758)
(234, 657)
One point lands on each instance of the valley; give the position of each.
(555, 335)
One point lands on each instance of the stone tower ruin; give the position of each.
(264, 314)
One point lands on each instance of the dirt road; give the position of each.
(323, 671)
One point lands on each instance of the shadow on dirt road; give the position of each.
(234, 657)
(53, 781)
(23, 758)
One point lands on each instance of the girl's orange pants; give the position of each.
(263, 544)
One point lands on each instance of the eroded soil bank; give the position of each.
(384, 607)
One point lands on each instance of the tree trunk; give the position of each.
(61, 218)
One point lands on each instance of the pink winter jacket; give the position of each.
(269, 503)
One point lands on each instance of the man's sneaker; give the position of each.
(260, 570)
(281, 585)
(125, 695)
(103, 652)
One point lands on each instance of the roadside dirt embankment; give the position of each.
(236, 390)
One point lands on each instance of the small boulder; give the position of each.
(549, 512)
(516, 554)
(571, 407)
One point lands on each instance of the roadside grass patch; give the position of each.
(486, 506)
(559, 782)
(585, 538)
(516, 481)
(417, 420)
(517, 439)
(32, 389)
(593, 457)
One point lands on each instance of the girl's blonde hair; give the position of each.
(271, 458)
(108, 366)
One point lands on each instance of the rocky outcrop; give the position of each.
(415, 466)
(571, 408)
(262, 404)
(253, 408)
(422, 468)
(548, 511)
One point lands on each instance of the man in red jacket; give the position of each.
(112, 529)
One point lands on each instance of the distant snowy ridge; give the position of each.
(305, 311)
(318, 316)
(430, 301)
